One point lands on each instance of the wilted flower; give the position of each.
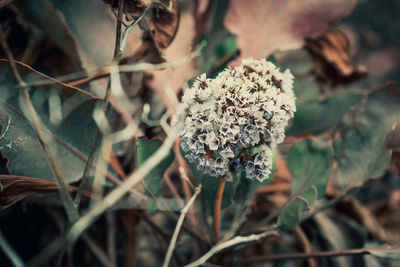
(229, 124)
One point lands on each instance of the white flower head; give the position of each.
(230, 123)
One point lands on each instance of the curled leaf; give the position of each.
(163, 17)
(331, 54)
(159, 21)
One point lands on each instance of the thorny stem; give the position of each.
(217, 209)
(106, 105)
(72, 213)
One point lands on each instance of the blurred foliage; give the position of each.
(152, 182)
(335, 143)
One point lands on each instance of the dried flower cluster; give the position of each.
(229, 124)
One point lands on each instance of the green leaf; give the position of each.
(310, 194)
(84, 30)
(292, 215)
(152, 181)
(317, 117)
(359, 148)
(237, 193)
(220, 42)
(69, 137)
(310, 162)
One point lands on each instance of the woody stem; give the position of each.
(217, 208)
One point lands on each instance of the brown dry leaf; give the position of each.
(164, 21)
(331, 55)
(185, 42)
(159, 25)
(265, 26)
(14, 188)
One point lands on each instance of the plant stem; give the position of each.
(9, 251)
(86, 220)
(230, 243)
(178, 227)
(106, 105)
(317, 254)
(217, 209)
(72, 213)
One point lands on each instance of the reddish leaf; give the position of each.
(265, 26)
(15, 188)
(331, 54)
(164, 21)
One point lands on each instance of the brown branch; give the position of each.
(318, 254)
(306, 246)
(46, 77)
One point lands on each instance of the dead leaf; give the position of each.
(265, 26)
(331, 55)
(15, 188)
(159, 26)
(184, 44)
(163, 17)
